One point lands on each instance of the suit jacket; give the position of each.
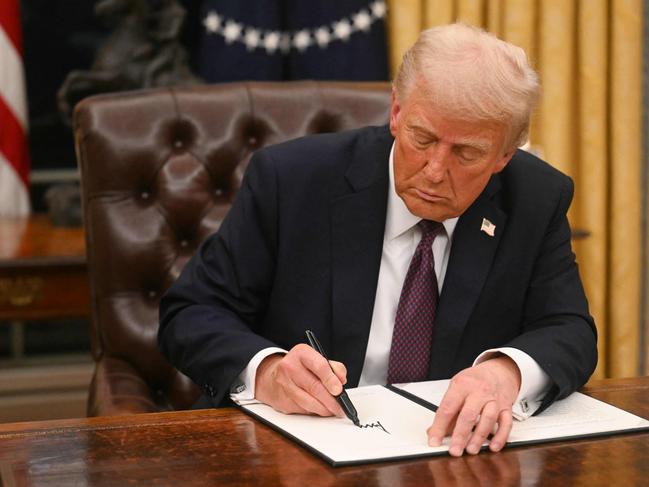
(301, 248)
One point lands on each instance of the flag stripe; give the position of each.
(10, 22)
(14, 198)
(14, 157)
(12, 80)
(12, 143)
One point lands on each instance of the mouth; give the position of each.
(432, 197)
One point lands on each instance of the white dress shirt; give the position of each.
(400, 239)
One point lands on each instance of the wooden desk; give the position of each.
(226, 447)
(42, 270)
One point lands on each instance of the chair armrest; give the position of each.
(117, 388)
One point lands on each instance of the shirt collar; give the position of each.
(399, 219)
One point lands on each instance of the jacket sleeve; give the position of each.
(210, 317)
(558, 331)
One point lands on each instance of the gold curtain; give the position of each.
(588, 124)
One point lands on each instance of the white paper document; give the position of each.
(575, 416)
(390, 425)
(393, 426)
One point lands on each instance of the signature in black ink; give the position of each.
(374, 425)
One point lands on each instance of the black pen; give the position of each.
(342, 398)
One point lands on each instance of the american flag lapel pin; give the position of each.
(488, 227)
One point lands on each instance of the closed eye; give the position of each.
(423, 140)
(469, 155)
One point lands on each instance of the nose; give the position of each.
(437, 163)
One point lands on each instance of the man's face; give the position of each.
(441, 165)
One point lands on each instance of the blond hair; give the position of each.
(470, 74)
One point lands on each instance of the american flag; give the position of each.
(14, 158)
(488, 227)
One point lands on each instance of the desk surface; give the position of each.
(35, 238)
(226, 447)
(42, 270)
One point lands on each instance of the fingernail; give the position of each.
(495, 445)
(456, 451)
(472, 449)
(434, 441)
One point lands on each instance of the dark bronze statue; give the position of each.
(143, 51)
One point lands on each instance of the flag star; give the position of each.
(285, 42)
(322, 37)
(302, 40)
(212, 22)
(362, 20)
(271, 41)
(251, 38)
(232, 31)
(342, 29)
(378, 9)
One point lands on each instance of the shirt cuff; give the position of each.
(535, 383)
(242, 390)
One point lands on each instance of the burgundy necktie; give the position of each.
(413, 324)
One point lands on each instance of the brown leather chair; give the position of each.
(159, 171)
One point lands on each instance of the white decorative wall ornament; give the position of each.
(301, 40)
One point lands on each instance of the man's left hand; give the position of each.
(478, 399)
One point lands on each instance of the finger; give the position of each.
(505, 422)
(306, 401)
(312, 386)
(286, 405)
(320, 367)
(294, 376)
(444, 417)
(449, 429)
(466, 421)
(315, 367)
(292, 373)
(340, 370)
(488, 418)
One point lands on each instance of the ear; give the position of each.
(504, 160)
(394, 113)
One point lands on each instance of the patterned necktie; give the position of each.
(413, 324)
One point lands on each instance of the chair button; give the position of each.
(184, 243)
(218, 192)
(178, 144)
(144, 195)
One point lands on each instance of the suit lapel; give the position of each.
(471, 257)
(357, 226)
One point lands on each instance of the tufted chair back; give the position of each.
(159, 170)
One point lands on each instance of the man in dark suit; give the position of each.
(432, 249)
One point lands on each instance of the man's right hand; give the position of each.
(300, 382)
